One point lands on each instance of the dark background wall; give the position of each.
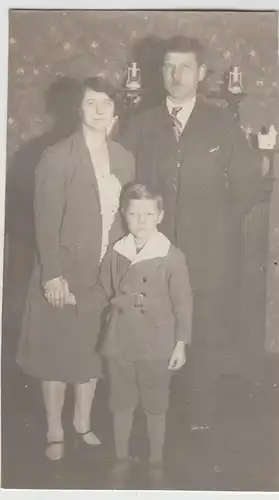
(48, 45)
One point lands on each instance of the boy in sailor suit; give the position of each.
(145, 280)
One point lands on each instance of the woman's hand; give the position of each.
(178, 357)
(71, 300)
(57, 292)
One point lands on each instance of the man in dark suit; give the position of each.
(195, 154)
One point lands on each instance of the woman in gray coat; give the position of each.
(77, 187)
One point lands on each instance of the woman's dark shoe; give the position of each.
(87, 438)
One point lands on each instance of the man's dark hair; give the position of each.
(181, 43)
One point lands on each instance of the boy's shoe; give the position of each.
(119, 473)
(157, 476)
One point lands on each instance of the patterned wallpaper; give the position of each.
(48, 46)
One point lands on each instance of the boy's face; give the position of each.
(142, 217)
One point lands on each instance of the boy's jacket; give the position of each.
(150, 299)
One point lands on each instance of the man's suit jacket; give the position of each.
(217, 182)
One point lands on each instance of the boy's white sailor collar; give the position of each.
(158, 245)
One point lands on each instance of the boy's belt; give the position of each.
(123, 300)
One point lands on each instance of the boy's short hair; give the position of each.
(185, 44)
(137, 191)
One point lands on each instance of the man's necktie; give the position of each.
(176, 123)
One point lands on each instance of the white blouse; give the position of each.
(109, 192)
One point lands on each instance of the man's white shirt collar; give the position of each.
(187, 108)
(158, 245)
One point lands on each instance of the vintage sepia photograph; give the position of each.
(140, 317)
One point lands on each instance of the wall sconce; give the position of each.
(132, 89)
(235, 81)
(231, 90)
(133, 78)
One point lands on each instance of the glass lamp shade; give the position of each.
(133, 81)
(235, 81)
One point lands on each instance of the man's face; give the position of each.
(97, 110)
(182, 73)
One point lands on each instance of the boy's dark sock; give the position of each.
(156, 426)
(122, 426)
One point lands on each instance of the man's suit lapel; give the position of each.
(165, 128)
(192, 132)
(193, 129)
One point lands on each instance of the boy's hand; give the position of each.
(178, 357)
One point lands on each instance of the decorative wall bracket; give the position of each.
(132, 90)
(231, 90)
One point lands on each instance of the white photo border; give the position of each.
(5, 6)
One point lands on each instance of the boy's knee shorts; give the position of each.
(147, 381)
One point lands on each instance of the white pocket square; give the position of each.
(214, 149)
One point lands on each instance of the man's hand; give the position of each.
(178, 357)
(57, 291)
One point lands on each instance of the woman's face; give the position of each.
(97, 110)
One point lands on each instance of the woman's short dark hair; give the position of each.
(99, 84)
(181, 43)
(136, 191)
